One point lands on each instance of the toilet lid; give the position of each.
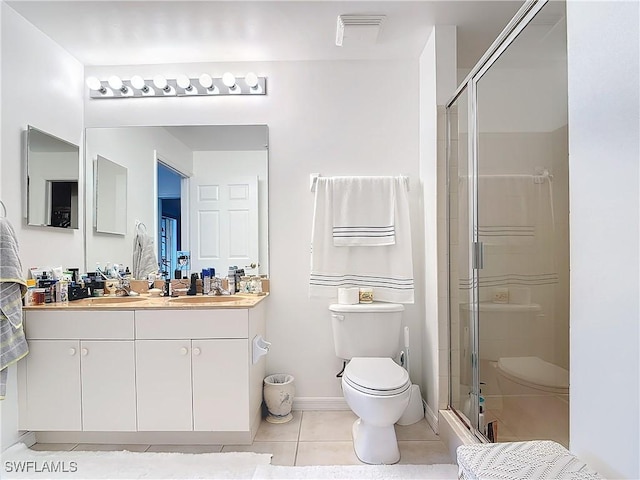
(377, 376)
(536, 371)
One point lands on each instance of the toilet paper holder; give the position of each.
(260, 348)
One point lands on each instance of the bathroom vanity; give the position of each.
(143, 370)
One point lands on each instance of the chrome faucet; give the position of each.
(216, 287)
(124, 287)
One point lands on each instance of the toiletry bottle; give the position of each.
(193, 289)
(31, 287)
(206, 281)
(232, 280)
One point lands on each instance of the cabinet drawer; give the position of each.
(83, 325)
(187, 324)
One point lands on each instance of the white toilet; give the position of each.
(375, 387)
(531, 376)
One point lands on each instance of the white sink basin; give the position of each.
(205, 299)
(109, 300)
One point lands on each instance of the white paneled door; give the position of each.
(224, 221)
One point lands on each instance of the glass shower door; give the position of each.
(461, 292)
(522, 227)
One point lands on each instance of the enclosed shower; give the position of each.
(508, 235)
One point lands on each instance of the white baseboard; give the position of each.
(453, 432)
(431, 417)
(319, 403)
(28, 438)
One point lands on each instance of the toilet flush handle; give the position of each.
(338, 317)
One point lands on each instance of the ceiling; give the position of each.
(159, 32)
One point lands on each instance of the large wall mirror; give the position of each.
(53, 169)
(201, 189)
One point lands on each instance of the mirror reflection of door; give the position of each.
(224, 218)
(62, 198)
(169, 218)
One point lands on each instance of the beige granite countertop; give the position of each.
(147, 302)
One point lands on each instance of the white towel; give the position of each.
(387, 269)
(363, 211)
(516, 226)
(144, 254)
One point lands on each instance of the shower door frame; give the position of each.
(508, 35)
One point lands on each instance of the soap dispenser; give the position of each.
(193, 287)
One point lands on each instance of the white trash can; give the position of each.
(278, 391)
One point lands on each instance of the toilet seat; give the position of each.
(376, 376)
(535, 371)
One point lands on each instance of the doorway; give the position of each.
(169, 188)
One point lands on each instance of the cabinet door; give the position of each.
(163, 385)
(220, 385)
(52, 386)
(108, 386)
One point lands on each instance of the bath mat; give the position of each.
(19, 461)
(354, 472)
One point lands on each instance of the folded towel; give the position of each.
(12, 283)
(144, 255)
(516, 226)
(363, 211)
(387, 269)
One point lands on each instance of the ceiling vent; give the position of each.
(359, 30)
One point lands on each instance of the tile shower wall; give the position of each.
(544, 333)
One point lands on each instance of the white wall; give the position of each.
(135, 150)
(605, 218)
(320, 120)
(42, 85)
(439, 54)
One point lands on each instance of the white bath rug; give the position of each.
(19, 461)
(356, 472)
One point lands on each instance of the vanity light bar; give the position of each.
(181, 86)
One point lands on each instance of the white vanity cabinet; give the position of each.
(142, 375)
(192, 370)
(79, 374)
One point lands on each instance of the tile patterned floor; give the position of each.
(311, 438)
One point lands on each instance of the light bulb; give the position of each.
(184, 82)
(138, 82)
(205, 80)
(94, 84)
(251, 80)
(160, 82)
(115, 82)
(229, 80)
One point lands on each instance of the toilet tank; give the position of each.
(366, 329)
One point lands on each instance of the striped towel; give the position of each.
(363, 211)
(13, 345)
(12, 283)
(387, 269)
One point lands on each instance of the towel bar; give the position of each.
(313, 181)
